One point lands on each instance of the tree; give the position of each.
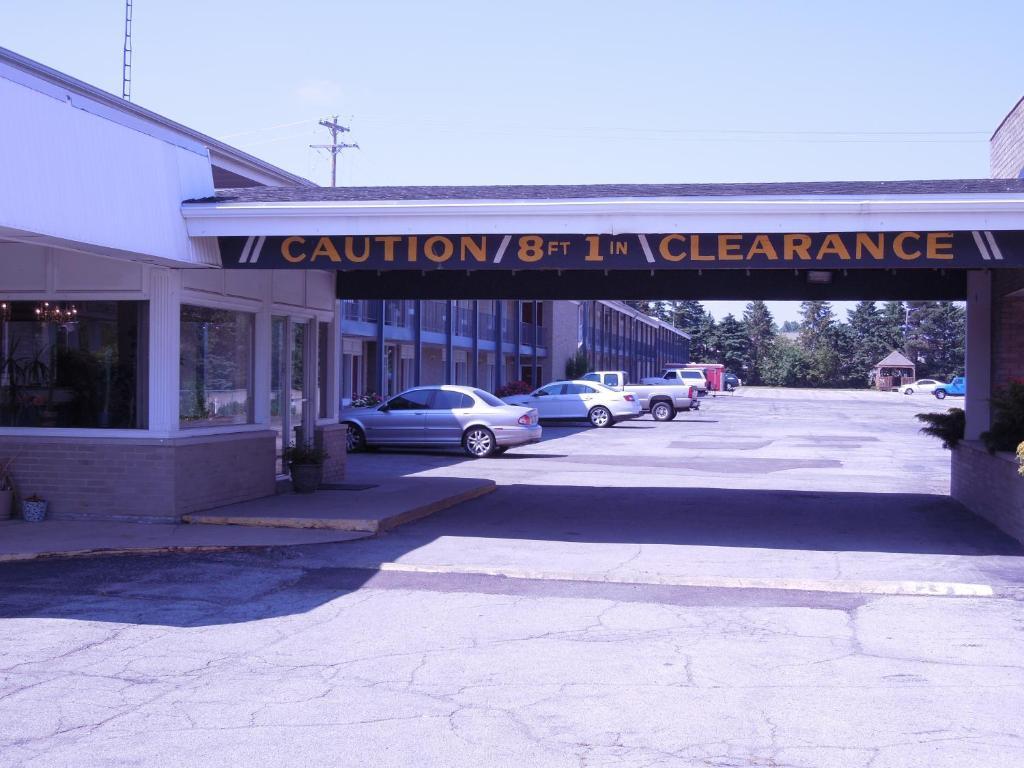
(935, 338)
(733, 345)
(760, 328)
(790, 326)
(786, 365)
(868, 341)
(893, 322)
(818, 338)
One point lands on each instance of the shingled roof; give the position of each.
(592, 191)
(895, 359)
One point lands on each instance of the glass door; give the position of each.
(288, 363)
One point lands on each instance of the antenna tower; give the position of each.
(126, 61)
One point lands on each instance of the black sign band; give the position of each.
(822, 250)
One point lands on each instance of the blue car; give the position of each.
(958, 387)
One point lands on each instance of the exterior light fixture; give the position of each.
(46, 312)
(819, 277)
(5, 311)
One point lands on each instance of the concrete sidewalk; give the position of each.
(327, 516)
(380, 507)
(80, 538)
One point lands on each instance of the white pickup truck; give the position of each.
(662, 401)
(684, 376)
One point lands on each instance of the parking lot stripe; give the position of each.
(857, 587)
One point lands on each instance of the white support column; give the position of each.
(979, 353)
(334, 365)
(310, 372)
(164, 348)
(261, 367)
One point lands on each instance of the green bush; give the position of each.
(306, 453)
(948, 426)
(1007, 419)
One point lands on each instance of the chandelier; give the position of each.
(56, 313)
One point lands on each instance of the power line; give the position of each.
(335, 146)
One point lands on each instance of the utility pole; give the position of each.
(126, 59)
(335, 146)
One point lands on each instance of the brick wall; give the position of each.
(1007, 325)
(989, 486)
(1006, 147)
(140, 478)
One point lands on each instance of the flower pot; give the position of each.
(6, 504)
(306, 478)
(33, 510)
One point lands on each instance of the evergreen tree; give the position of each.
(733, 343)
(704, 345)
(893, 321)
(790, 326)
(818, 337)
(935, 338)
(868, 342)
(760, 328)
(786, 365)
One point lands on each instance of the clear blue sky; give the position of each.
(576, 91)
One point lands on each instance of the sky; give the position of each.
(576, 91)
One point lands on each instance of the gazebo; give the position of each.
(893, 371)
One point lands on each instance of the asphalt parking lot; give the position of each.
(776, 580)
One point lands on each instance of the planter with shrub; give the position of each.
(306, 465)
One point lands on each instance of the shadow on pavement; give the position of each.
(204, 590)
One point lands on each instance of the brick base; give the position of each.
(332, 439)
(989, 486)
(154, 480)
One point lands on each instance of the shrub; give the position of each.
(1020, 459)
(948, 426)
(1007, 419)
(577, 365)
(366, 401)
(307, 453)
(514, 388)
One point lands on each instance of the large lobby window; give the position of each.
(73, 364)
(216, 367)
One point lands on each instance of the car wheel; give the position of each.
(940, 393)
(908, 391)
(600, 416)
(479, 442)
(663, 412)
(355, 439)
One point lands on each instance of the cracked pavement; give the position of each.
(310, 655)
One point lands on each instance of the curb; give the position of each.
(355, 524)
(860, 587)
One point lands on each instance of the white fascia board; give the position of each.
(610, 216)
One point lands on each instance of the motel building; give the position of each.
(173, 311)
(494, 342)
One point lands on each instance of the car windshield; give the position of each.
(488, 398)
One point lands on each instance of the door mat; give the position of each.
(346, 486)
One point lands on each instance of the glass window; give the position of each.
(610, 379)
(670, 375)
(413, 400)
(488, 398)
(448, 400)
(73, 365)
(216, 367)
(579, 389)
(591, 377)
(550, 389)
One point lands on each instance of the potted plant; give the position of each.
(306, 464)
(33, 509)
(6, 491)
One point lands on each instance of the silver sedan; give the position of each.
(580, 401)
(441, 416)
